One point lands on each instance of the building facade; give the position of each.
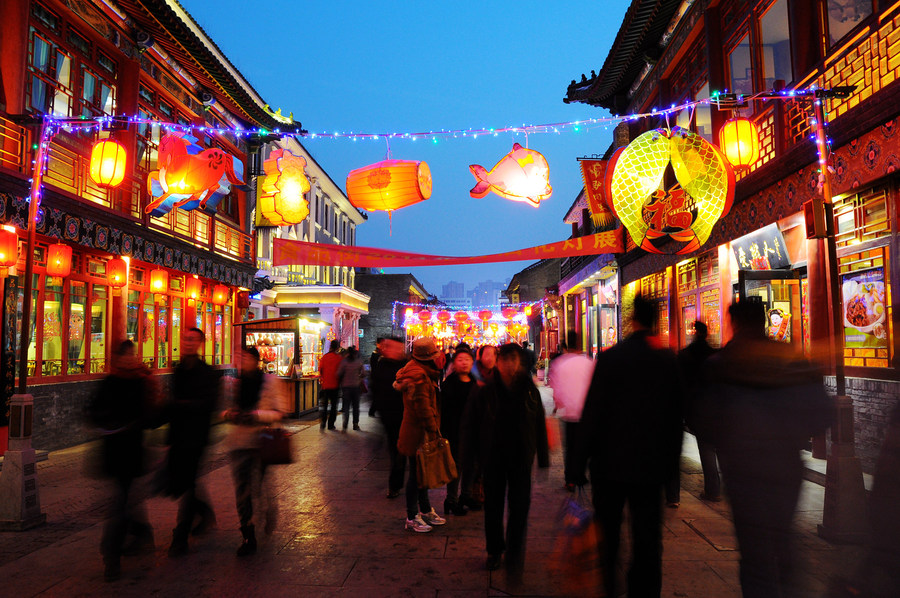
(140, 64)
(684, 52)
(391, 295)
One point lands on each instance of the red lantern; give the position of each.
(528, 310)
(221, 293)
(59, 260)
(739, 141)
(425, 316)
(116, 273)
(389, 185)
(443, 316)
(159, 280)
(107, 167)
(281, 198)
(460, 316)
(193, 287)
(9, 250)
(485, 315)
(509, 312)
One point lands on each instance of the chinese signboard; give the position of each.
(761, 250)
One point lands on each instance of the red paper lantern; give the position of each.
(485, 315)
(221, 294)
(460, 316)
(443, 316)
(116, 273)
(389, 185)
(528, 310)
(193, 287)
(108, 160)
(425, 316)
(9, 250)
(509, 312)
(739, 141)
(59, 260)
(159, 280)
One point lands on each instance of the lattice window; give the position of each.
(708, 267)
(687, 276)
(862, 217)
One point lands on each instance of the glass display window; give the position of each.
(276, 350)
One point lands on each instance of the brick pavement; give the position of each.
(339, 536)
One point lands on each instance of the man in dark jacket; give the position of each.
(691, 360)
(195, 394)
(387, 403)
(761, 402)
(508, 418)
(631, 432)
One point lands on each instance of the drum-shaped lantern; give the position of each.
(739, 141)
(159, 280)
(116, 273)
(389, 185)
(221, 294)
(107, 167)
(193, 287)
(59, 260)
(9, 250)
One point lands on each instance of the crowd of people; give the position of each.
(752, 406)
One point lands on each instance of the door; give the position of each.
(782, 296)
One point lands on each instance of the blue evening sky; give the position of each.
(345, 65)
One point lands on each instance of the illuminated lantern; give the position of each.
(528, 310)
(389, 185)
(485, 315)
(460, 316)
(159, 280)
(443, 316)
(509, 312)
(522, 175)
(425, 316)
(221, 293)
(281, 198)
(107, 167)
(192, 287)
(9, 251)
(686, 212)
(116, 273)
(59, 260)
(739, 141)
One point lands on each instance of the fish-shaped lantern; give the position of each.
(522, 175)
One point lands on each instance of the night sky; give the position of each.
(372, 67)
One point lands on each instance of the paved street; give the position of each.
(339, 536)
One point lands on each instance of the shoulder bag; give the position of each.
(275, 446)
(434, 463)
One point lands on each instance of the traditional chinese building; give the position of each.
(391, 294)
(669, 53)
(140, 63)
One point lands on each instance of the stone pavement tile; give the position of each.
(407, 546)
(693, 547)
(718, 532)
(466, 546)
(415, 574)
(697, 579)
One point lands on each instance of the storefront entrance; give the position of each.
(784, 296)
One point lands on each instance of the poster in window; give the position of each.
(864, 309)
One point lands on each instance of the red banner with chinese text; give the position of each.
(593, 172)
(299, 253)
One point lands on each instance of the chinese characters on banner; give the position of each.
(761, 250)
(593, 172)
(287, 252)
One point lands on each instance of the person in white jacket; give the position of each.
(570, 377)
(258, 401)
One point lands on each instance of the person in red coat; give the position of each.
(418, 381)
(329, 385)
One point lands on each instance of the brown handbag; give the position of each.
(434, 463)
(275, 446)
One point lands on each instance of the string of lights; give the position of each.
(472, 314)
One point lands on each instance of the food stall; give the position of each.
(290, 348)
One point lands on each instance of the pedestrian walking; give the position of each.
(350, 376)
(570, 377)
(418, 381)
(760, 405)
(387, 403)
(258, 402)
(510, 431)
(485, 362)
(329, 386)
(471, 488)
(691, 359)
(455, 393)
(195, 394)
(121, 409)
(529, 359)
(631, 429)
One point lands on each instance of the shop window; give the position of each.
(32, 332)
(687, 275)
(148, 331)
(99, 327)
(861, 217)
(132, 322)
(77, 334)
(226, 336)
(844, 15)
(775, 40)
(51, 332)
(175, 336)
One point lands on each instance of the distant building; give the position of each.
(533, 284)
(488, 293)
(453, 295)
(383, 320)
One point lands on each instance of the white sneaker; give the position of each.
(432, 518)
(416, 524)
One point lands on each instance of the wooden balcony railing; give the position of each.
(14, 141)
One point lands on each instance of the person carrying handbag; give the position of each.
(418, 380)
(258, 402)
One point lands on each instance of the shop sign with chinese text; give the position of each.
(761, 250)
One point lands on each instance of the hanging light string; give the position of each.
(472, 313)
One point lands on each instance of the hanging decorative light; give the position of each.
(192, 288)
(116, 273)
(528, 310)
(281, 193)
(443, 316)
(460, 317)
(522, 175)
(221, 294)
(739, 141)
(425, 316)
(9, 251)
(509, 312)
(389, 185)
(59, 260)
(485, 314)
(108, 159)
(159, 280)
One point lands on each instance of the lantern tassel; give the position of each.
(390, 223)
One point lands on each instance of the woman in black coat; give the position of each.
(455, 393)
